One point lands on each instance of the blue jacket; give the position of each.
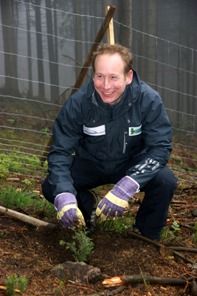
(135, 130)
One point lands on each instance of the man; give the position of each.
(114, 130)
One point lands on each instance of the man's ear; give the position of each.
(129, 76)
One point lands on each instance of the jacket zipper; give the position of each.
(124, 143)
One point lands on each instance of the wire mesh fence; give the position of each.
(43, 45)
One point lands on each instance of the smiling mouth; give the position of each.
(107, 94)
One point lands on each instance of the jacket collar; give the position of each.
(134, 87)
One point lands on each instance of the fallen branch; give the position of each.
(183, 257)
(160, 246)
(137, 279)
(26, 218)
(192, 250)
(178, 201)
(148, 240)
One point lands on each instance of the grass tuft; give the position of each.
(12, 198)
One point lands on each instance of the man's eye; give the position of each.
(114, 77)
(98, 76)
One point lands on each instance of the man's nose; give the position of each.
(106, 83)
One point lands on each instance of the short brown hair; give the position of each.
(124, 52)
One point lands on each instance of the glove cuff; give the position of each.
(126, 188)
(64, 198)
(134, 184)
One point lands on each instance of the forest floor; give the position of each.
(31, 252)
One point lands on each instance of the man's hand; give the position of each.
(67, 210)
(115, 202)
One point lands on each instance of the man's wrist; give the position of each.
(125, 188)
(134, 183)
(64, 198)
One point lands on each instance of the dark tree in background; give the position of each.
(39, 46)
(51, 25)
(29, 49)
(9, 19)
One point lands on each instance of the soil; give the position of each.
(30, 252)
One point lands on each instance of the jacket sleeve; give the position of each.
(157, 136)
(67, 131)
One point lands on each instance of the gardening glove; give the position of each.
(115, 202)
(67, 210)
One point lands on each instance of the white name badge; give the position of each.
(94, 131)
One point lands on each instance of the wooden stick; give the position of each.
(148, 240)
(183, 257)
(137, 279)
(110, 30)
(153, 280)
(177, 248)
(158, 245)
(178, 202)
(27, 219)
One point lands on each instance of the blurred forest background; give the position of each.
(44, 44)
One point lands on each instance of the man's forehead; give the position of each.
(109, 60)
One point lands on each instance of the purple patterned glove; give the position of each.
(115, 202)
(67, 210)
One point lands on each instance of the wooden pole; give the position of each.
(110, 30)
(27, 219)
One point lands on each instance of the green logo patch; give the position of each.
(135, 130)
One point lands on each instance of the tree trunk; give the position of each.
(51, 40)
(9, 32)
(40, 68)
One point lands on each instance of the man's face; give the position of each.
(109, 78)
